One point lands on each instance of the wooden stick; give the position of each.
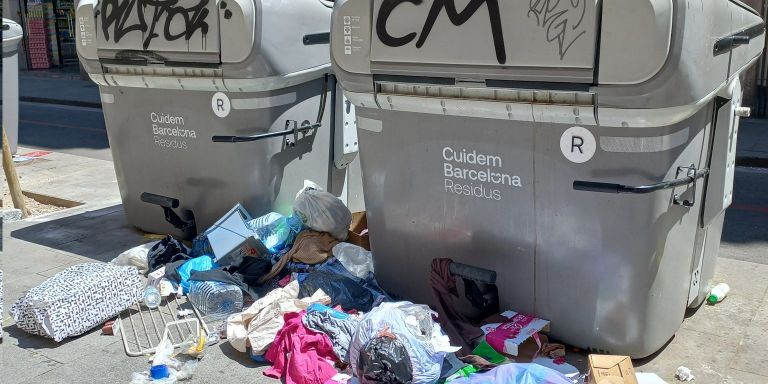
(13, 178)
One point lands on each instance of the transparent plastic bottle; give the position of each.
(215, 300)
(276, 231)
(152, 297)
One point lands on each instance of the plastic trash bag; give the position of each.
(202, 263)
(355, 259)
(385, 360)
(343, 290)
(516, 374)
(136, 256)
(276, 231)
(322, 212)
(426, 354)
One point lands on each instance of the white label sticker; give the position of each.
(220, 104)
(578, 144)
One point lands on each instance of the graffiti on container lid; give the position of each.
(149, 14)
(561, 21)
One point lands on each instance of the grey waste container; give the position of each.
(12, 35)
(582, 150)
(210, 103)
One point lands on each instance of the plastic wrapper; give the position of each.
(136, 257)
(516, 374)
(426, 353)
(323, 212)
(357, 260)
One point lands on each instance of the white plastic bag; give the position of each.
(355, 259)
(322, 211)
(136, 256)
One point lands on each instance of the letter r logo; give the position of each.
(220, 104)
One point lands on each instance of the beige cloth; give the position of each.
(258, 325)
(310, 248)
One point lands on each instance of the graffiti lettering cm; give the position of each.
(149, 13)
(456, 17)
(561, 20)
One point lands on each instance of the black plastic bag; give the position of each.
(385, 360)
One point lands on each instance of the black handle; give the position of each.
(594, 186)
(242, 139)
(163, 201)
(473, 273)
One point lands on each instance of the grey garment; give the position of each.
(340, 331)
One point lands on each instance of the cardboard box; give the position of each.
(517, 332)
(358, 234)
(611, 369)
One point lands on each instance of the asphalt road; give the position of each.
(74, 130)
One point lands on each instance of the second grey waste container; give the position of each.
(12, 35)
(582, 150)
(201, 100)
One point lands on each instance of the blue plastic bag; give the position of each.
(516, 374)
(202, 263)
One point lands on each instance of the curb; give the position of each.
(72, 103)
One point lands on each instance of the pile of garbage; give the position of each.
(295, 292)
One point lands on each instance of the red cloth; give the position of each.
(301, 355)
(455, 324)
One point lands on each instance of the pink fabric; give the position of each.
(300, 354)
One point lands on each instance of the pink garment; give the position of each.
(300, 354)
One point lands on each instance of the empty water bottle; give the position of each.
(215, 300)
(152, 297)
(276, 231)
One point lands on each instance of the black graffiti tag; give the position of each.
(456, 17)
(561, 22)
(117, 12)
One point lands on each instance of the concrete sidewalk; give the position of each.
(724, 344)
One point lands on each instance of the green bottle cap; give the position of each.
(712, 299)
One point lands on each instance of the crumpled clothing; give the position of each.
(339, 329)
(333, 265)
(259, 324)
(343, 290)
(444, 290)
(165, 251)
(310, 247)
(299, 354)
(516, 374)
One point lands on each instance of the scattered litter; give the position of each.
(136, 256)
(684, 374)
(718, 293)
(111, 327)
(184, 313)
(215, 300)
